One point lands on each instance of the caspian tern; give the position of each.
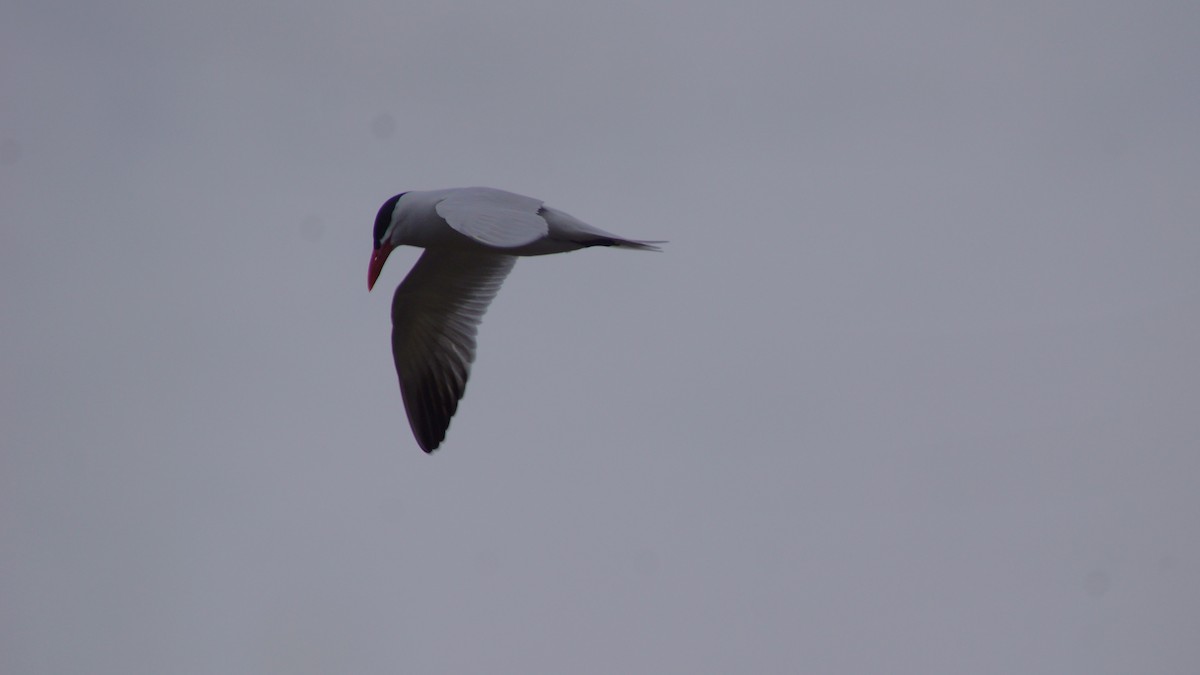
(472, 237)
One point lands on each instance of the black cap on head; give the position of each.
(384, 217)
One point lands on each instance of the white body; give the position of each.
(471, 238)
(480, 218)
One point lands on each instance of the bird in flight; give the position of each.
(472, 237)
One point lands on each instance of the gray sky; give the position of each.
(913, 389)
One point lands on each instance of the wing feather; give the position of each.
(494, 217)
(435, 317)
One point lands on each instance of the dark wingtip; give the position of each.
(428, 438)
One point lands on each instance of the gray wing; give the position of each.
(494, 217)
(435, 316)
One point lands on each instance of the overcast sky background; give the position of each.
(914, 387)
